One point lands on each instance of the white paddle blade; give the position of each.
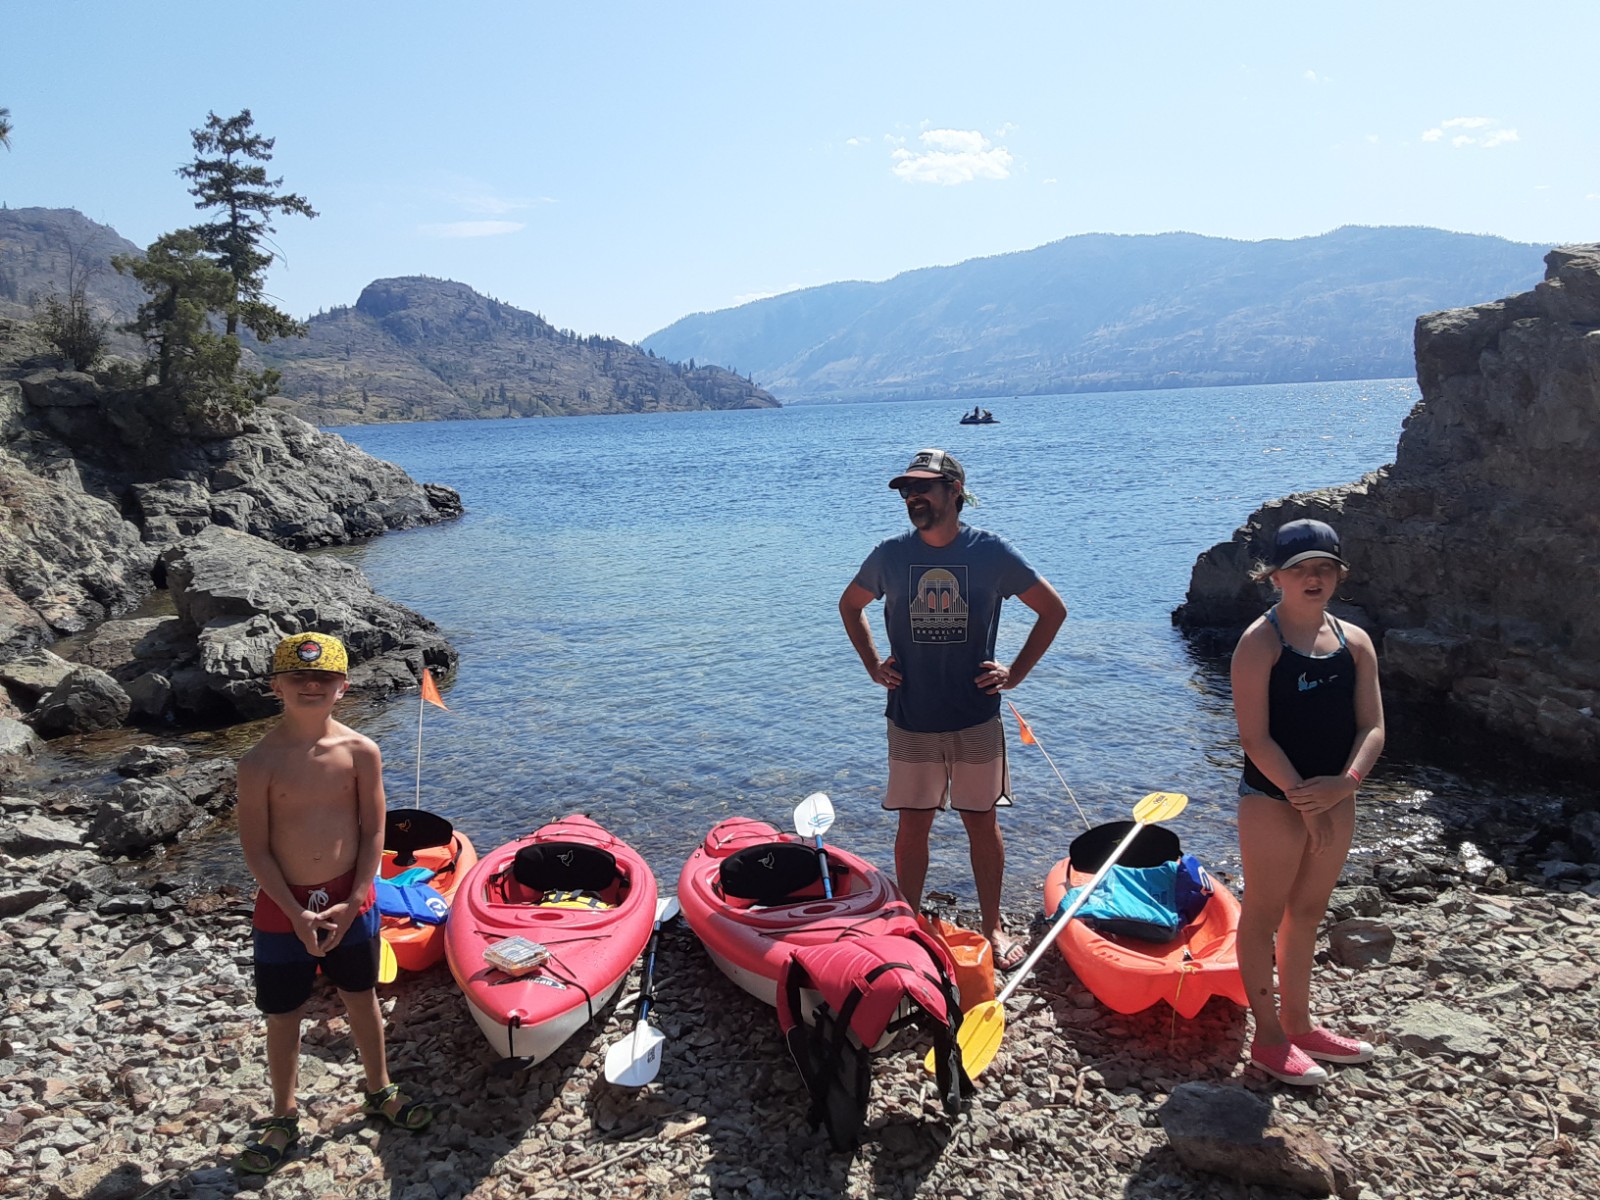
(666, 908)
(813, 817)
(636, 1059)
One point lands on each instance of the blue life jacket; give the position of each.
(416, 901)
(1149, 903)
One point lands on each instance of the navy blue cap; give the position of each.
(1305, 539)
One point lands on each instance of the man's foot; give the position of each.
(1330, 1047)
(1287, 1063)
(394, 1106)
(1008, 954)
(272, 1145)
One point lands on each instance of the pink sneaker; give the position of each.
(1330, 1047)
(1287, 1062)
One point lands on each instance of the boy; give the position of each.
(311, 817)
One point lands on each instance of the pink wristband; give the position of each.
(1354, 774)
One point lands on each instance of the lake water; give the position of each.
(645, 608)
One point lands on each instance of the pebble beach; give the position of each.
(132, 1065)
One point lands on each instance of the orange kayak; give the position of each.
(417, 947)
(1129, 974)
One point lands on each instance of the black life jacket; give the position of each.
(869, 986)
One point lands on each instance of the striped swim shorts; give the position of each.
(964, 769)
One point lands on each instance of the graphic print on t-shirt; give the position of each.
(938, 604)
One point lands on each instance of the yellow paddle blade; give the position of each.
(979, 1038)
(388, 968)
(1159, 806)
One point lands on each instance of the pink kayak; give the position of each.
(754, 895)
(571, 888)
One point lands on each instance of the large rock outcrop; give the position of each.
(1477, 553)
(99, 502)
(238, 596)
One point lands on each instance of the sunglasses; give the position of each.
(919, 487)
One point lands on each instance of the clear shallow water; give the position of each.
(646, 610)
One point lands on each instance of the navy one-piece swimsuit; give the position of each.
(1311, 710)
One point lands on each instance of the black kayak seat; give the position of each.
(770, 873)
(1154, 845)
(564, 867)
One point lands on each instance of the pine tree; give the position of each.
(227, 176)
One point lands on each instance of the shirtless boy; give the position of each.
(311, 825)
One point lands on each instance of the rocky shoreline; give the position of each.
(132, 1061)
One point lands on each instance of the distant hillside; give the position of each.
(1108, 312)
(418, 349)
(411, 349)
(40, 248)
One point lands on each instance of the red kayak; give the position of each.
(580, 903)
(418, 946)
(1130, 974)
(771, 901)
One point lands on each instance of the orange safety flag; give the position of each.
(1027, 734)
(430, 690)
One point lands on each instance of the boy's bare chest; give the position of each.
(313, 782)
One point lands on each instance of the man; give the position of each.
(942, 584)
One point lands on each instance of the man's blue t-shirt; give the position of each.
(942, 609)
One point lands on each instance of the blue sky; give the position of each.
(615, 166)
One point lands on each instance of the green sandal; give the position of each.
(263, 1157)
(411, 1116)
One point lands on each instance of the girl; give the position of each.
(1305, 694)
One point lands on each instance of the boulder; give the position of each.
(1360, 942)
(129, 648)
(1227, 1131)
(86, 700)
(139, 814)
(34, 675)
(150, 697)
(1452, 546)
(30, 833)
(240, 596)
(18, 745)
(144, 761)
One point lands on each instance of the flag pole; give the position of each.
(1031, 736)
(421, 704)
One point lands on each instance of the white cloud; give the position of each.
(472, 229)
(855, 141)
(1309, 76)
(952, 156)
(1483, 132)
(1052, 179)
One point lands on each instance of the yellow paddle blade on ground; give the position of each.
(979, 1037)
(388, 967)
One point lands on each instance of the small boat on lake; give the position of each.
(544, 930)
(1127, 973)
(978, 416)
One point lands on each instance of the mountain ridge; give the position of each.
(1110, 312)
